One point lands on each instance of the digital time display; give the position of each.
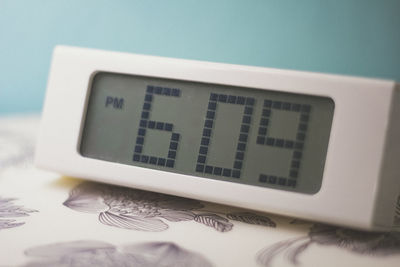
(234, 134)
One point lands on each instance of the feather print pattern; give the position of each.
(376, 244)
(139, 210)
(9, 211)
(102, 254)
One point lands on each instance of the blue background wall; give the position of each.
(352, 37)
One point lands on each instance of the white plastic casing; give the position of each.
(361, 180)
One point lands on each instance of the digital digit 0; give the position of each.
(147, 124)
(263, 138)
(202, 165)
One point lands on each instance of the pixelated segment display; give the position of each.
(145, 124)
(243, 135)
(296, 144)
(245, 103)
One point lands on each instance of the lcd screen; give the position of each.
(244, 135)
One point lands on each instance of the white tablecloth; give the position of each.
(50, 220)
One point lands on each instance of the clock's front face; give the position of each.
(250, 136)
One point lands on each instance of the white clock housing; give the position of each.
(360, 180)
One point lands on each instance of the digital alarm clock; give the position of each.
(313, 146)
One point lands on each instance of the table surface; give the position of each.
(47, 219)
